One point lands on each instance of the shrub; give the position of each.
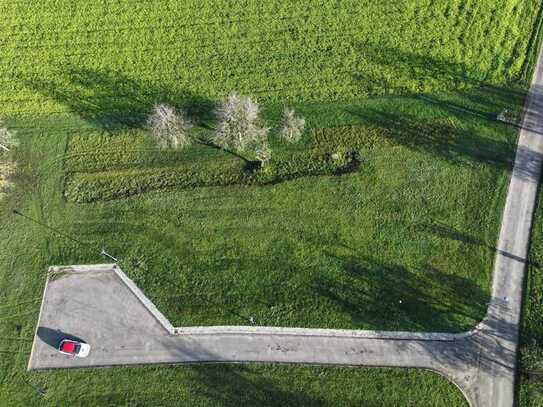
(263, 153)
(239, 126)
(169, 127)
(292, 127)
(508, 116)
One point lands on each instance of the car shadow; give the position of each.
(53, 337)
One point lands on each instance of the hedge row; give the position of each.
(103, 167)
(104, 186)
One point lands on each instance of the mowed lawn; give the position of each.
(404, 240)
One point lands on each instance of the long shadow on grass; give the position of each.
(406, 72)
(235, 386)
(392, 297)
(210, 384)
(445, 231)
(360, 293)
(486, 102)
(453, 144)
(110, 99)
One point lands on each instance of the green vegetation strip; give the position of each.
(336, 151)
(531, 344)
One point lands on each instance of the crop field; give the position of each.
(398, 234)
(113, 59)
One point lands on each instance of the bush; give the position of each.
(292, 127)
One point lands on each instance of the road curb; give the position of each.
(256, 330)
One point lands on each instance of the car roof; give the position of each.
(68, 346)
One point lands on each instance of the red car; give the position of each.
(74, 348)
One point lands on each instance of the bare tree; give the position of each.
(169, 127)
(7, 139)
(239, 126)
(292, 126)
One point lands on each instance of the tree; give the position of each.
(169, 127)
(292, 127)
(7, 139)
(239, 126)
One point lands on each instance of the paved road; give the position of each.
(98, 305)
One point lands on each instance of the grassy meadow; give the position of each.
(404, 239)
(531, 345)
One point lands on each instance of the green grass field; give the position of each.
(28, 249)
(114, 58)
(410, 231)
(405, 240)
(531, 347)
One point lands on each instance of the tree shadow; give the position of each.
(488, 101)
(392, 297)
(481, 97)
(438, 137)
(238, 385)
(415, 71)
(111, 100)
(442, 230)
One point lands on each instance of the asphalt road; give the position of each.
(96, 305)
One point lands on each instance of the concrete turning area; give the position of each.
(101, 306)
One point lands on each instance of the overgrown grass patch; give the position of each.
(108, 166)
